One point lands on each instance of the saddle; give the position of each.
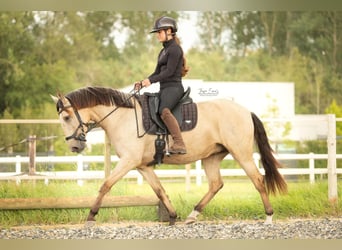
(185, 113)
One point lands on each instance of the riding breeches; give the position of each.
(169, 97)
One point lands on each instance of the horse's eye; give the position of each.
(66, 118)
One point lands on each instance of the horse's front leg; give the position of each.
(152, 179)
(121, 169)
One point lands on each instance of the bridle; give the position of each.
(91, 125)
(81, 125)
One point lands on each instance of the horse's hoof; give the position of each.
(268, 220)
(90, 224)
(190, 220)
(172, 221)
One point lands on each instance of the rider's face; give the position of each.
(162, 35)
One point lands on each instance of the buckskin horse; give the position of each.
(223, 127)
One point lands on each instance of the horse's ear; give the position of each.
(59, 96)
(54, 98)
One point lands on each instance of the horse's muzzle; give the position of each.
(77, 147)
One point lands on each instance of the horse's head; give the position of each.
(72, 110)
(72, 124)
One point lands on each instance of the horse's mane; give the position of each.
(92, 96)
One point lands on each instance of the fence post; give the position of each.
(332, 173)
(187, 177)
(79, 168)
(140, 179)
(312, 168)
(18, 164)
(18, 168)
(32, 154)
(256, 158)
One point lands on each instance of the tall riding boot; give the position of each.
(171, 123)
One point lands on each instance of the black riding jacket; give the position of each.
(168, 71)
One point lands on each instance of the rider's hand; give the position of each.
(137, 85)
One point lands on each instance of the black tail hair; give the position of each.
(274, 180)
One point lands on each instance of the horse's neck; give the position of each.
(120, 127)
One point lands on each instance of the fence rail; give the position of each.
(79, 202)
(80, 174)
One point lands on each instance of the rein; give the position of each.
(91, 125)
(136, 120)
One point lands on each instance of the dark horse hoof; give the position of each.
(172, 221)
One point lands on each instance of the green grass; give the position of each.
(238, 200)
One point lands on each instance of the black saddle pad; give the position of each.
(185, 113)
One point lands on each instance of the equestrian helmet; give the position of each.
(164, 23)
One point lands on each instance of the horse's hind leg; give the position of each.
(153, 180)
(211, 167)
(258, 181)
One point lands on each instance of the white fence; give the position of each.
(80, 174)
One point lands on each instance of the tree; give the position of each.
(46, 52)
(334, 108)
(16, 43)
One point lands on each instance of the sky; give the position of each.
(188, 30)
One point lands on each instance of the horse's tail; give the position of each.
(274, 180)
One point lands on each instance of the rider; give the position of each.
(170, 69)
